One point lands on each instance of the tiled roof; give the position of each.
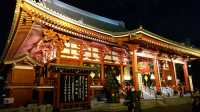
(85, 17)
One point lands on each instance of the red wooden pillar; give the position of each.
(121, 67)
(102, 76)
(163, 74)
(185, 68)
(58, 91)
(134, 65)
(157, 80)
(172, 73)
(58, 55)
(41, 92)
(81, 54)
(135, 70)
(55, 93)
(121, 73)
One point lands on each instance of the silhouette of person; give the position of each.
(129, 98)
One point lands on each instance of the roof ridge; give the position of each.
(85, 13)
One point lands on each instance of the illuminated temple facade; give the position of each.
(53, 47)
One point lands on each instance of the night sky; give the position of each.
(178, 20)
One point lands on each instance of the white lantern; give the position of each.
(152, 77)
(118, 78)
(169, 77)
(92, 74)
(127, 77)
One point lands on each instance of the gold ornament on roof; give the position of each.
(55, 38)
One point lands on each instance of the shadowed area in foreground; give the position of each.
(173, 104)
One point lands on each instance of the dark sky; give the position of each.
(6, 15)
(174, 19)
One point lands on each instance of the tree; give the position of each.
(111, 85)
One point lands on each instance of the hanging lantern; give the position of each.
(92, 74)
(146, 77)
(127, 77)
(152, 77)
(169, 77)
(118, 78)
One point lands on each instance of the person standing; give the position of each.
(129, 98)
(136, 100)
(181, 90)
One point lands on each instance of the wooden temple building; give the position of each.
(60, 55)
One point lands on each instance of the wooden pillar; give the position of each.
(163, 74)
(135, 70)
(55, 93)
(58, 55)
(102, 76)
(81, 54)
(157, 80)
(172, 73)
(41, 92)
(121, 67)
(121, 73)
(185, 68)
(58, 91)
(133, 49)
(175, 73)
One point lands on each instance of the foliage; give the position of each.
(111, 84)
(97, 66)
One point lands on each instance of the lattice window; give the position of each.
(71, 50)
(91, 54)
(112, 57)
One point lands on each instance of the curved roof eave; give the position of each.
(189, 50)
(112, 34)
(67, 19)
(12, 28)
(78, 23)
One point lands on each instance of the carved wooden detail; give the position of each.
(55, 38)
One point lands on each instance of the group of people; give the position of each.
(132, 98)
(173, 90)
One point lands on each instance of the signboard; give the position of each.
(74, 88)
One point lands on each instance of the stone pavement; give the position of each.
(169, 104)
(173, 104)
